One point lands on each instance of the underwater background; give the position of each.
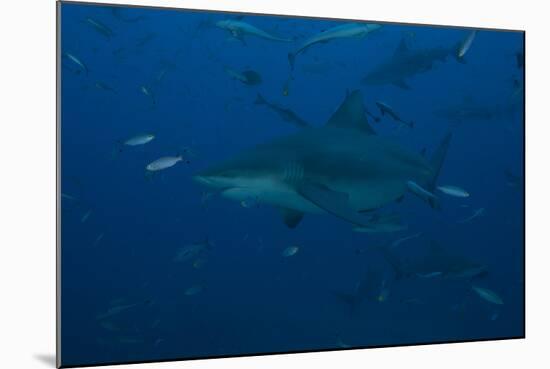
(153, 267)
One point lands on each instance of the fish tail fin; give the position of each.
(411, 123)
(436, 162)
(259, 99)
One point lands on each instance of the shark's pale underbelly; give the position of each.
(278, 196)
(367, 195)
(362, 195)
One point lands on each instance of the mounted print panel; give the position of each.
(240, 184)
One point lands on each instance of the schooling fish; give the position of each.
(147, 92)
(488, 295)
(386, 109)
(453, 191)
(239, 29)
(77, 61)
(100, 27)
(86, 216)
(464, 46)
(163, 163)
(348, 30)
(290, 251)
(403, 239)
(139, 140)
(476, 214)
(105, 87)
(115, 310)
(286, 114)
(98, 239)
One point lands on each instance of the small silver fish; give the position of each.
(115, 310)
(453, 191)
(488, 295)
(476, 214)
(77, 61)
(98, 239)
(139, 140)
(147, 92)
(100, 27)
(290, 251)
(86, 216)
(465, 45)
(105, 87)
(429, 275)
(163, 163)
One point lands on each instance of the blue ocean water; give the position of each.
(129, 293)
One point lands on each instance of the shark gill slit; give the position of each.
(293, 173)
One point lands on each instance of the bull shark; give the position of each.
(239, 29)
(406, 63)
(341, 168)
(348, 30)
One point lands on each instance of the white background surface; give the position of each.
(27, 186)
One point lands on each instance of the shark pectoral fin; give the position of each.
(402, 84)
(291, 217)
(333, 202)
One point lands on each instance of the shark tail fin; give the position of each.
(436, 162)
(259, 99)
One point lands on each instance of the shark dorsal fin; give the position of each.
(351, 114)
(402, 49)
